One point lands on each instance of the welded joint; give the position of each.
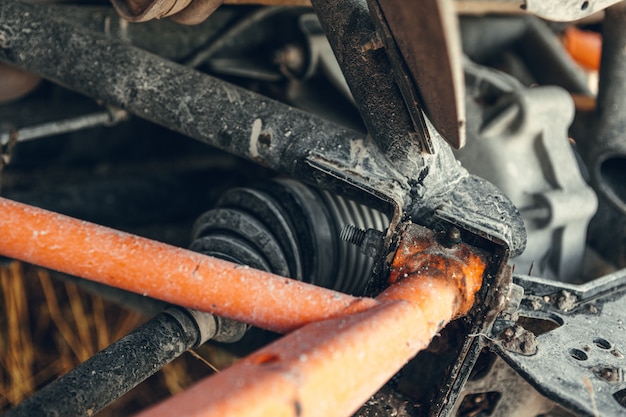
(421, 253)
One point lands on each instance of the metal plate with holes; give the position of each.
(580, 363)
(566, 10)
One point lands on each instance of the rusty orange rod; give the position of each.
(584, 46)
(165, 272)
(330, 368)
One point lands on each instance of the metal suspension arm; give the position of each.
(331, 367)
(342, 361)
(165, 272)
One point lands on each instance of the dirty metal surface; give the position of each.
(566, 10)
(442, 370)
(502, 392)
(522, 148)
(585, 349)
(363, 60)
(389, 167)
(439, 187)
(434, 378)
(427, 35)
(389, 164)
(114, 371)
(231, 118)
(329, 368)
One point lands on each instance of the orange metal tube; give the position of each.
(165, 272)
(326, 368)
(330, 368)
(584, 46)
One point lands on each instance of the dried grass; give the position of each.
(17, 357)
(48, 326)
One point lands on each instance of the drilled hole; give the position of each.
(602, 343)
(538, 326)
(620, 397)
(584, 6)
(482, 404)
(578, 354)
(265, 138)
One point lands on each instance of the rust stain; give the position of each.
(421, 256)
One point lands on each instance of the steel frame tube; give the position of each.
(367, 69)
(267, 132)
(164, 272)
(330, 368)
(436, 180)
(325, 369)
(114, 371)
(197, 105)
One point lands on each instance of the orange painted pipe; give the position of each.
(584, 46)
(330, 368)
(165, 272)
(326, 368)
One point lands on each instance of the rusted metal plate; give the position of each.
(427, 36)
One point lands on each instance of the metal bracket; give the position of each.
(580, 337)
